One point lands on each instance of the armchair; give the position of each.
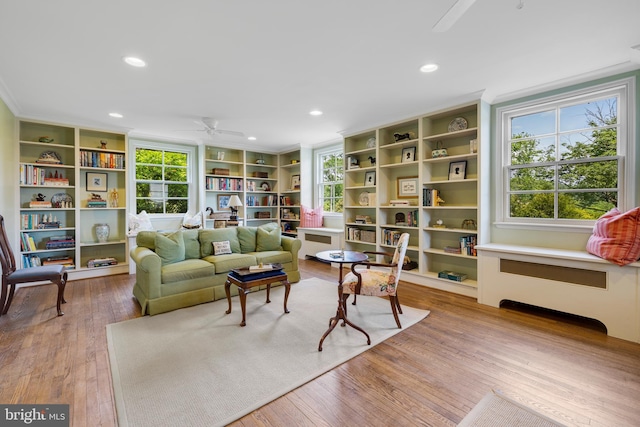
(378, 282)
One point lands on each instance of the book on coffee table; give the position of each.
(245, 274)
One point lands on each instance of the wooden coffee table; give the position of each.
(244, 287)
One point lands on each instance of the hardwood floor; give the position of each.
(432, 373)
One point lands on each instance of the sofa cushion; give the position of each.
(268, 238)
(616, 237)
(186, 270)
(147, 239)
(273, 257)
(247, 239)
(221, 248)
(208, 236)
(226, 263)
(170, 248)
(191, 244)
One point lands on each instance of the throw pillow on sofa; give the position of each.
(247, 238)
(221, 248)
(170, 248)
(208, 236)
(268, 238)
(616, 237)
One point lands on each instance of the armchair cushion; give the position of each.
(374, 283)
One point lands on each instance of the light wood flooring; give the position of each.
(432, 373)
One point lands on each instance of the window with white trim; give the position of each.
(330, 167)
(563, 158)
(163, 178)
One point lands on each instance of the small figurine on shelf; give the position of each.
(103, 144)
(113, 198)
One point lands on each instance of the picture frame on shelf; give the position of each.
(295, 182)
(370, 179)
(458, 170)
(408, 154)
(223, 202)
(407, 187)
(97, 181)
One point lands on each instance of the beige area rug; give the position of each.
(198, 367)
(498, 410)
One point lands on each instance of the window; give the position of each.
(163, 179)
(563, 158)
(330, 179)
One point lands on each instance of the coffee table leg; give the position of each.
(287, 289)
(242, 293)
(268, 291)
(227, 290)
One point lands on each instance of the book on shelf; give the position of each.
(452, 275)
(396, 202)
(101, 262)
(61, 260)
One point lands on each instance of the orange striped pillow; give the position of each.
(616, 237)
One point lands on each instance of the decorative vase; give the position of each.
(102, 232)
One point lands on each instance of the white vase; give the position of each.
(102, 232)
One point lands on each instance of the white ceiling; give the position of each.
(260, 66)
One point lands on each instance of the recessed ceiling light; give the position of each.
(429, 68)
(252, 138)
(134, 62)
(116, 115)
(315, 113)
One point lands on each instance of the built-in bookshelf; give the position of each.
(419, 176)
(268, 184)
(72, 180)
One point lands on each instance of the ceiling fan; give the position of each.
(453, 14)
(211, 128)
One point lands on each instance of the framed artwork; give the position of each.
(370, 179)
(223, 202)
(295, 182)
(457, 170)
(96, 181)
(408, 154)
(407, 187)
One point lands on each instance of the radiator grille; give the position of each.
(578, 276)
(317, 238)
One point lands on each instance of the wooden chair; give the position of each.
(380, 281)
(11, 277)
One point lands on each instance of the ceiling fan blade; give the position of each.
(229, 132)
(453, 14)
(209, 122)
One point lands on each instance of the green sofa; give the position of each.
(180, 269)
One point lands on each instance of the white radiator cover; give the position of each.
(316, 240)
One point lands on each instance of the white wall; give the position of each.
(8, 171)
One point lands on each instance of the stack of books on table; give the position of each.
(101, 262)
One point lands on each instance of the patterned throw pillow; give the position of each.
(311, 218)
(616, 237)
(221, 248)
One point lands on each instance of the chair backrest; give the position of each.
(398, 256)
(6, 254)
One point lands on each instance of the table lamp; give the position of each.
(234, 203)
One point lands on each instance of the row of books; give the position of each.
(96, 159)
(37, 221)
(390, 237)
(29, 261)
(224, 184)
(410, 220)
(27, 244)
(468, 245)
(61, 242)
(357, 234)
(36, 175)
(271, 200)
(431, 197)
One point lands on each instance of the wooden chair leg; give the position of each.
(12, 289)
(3, 297)
(398, 304)
(354, 299)
(61, 284)
(394, 301)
